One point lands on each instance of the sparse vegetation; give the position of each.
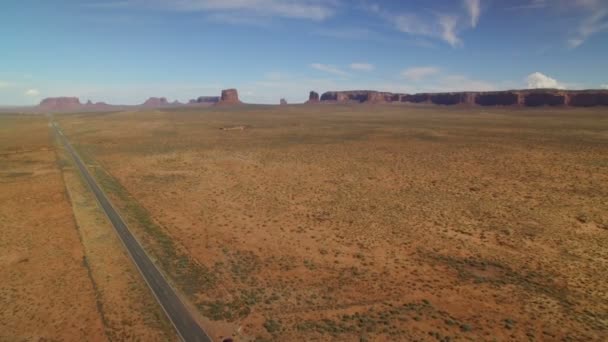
(365, 222)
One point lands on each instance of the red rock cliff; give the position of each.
(528, 97)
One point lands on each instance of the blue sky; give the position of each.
(123, 51)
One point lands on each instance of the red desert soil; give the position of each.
(45, 290)
(369, 222)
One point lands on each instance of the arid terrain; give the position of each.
(357, 222)
(64, 275)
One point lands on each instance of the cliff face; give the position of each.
(589, 99)
(528, 98)
(502, 98)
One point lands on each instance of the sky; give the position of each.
(124, 51)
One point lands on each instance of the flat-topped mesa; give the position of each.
(356, 96)
(229, 96)
(60, 103)
(527, 97)
(155, 102)
(205, 100)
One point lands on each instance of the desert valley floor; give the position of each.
(311, 222)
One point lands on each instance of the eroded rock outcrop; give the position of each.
(205, 100)
(229, 96)
(283, 102)
(357, 96)
(155, 102)
(313, 97)
(60, 103)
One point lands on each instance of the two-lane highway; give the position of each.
(186, 326)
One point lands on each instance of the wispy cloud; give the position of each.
(329, 69)
(419, 73)
(316, 10)
(448, 30)
(474, 9)
(592, 16)
(433, 79)
(595, 23)
(442, 25)
(538, 80)
(351, 33)
(32, 92)
(604, 86)
(362, 66)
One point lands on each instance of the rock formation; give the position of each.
(529, 98)
(544, 98)
(588, 98)
(207, 99)
(229, 96)
(283, 102)
(60, 103)
(155, 102)
(313, 97)
(497, 98)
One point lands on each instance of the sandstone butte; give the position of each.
(313, 97)
(229, 96)
(155, 102)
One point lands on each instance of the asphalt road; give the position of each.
(186, 326)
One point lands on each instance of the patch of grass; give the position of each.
(272, 326)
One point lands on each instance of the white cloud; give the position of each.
(419, 73)
(32, 92)
(329, 69)
(316, 10)
(537, 80)
(448, 33)
(5, 84)
(439, 26)
(474, 9)
(604, 86)
(362, 66)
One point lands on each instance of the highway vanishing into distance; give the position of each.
(186, 326)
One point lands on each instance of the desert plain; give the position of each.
(311, 223)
